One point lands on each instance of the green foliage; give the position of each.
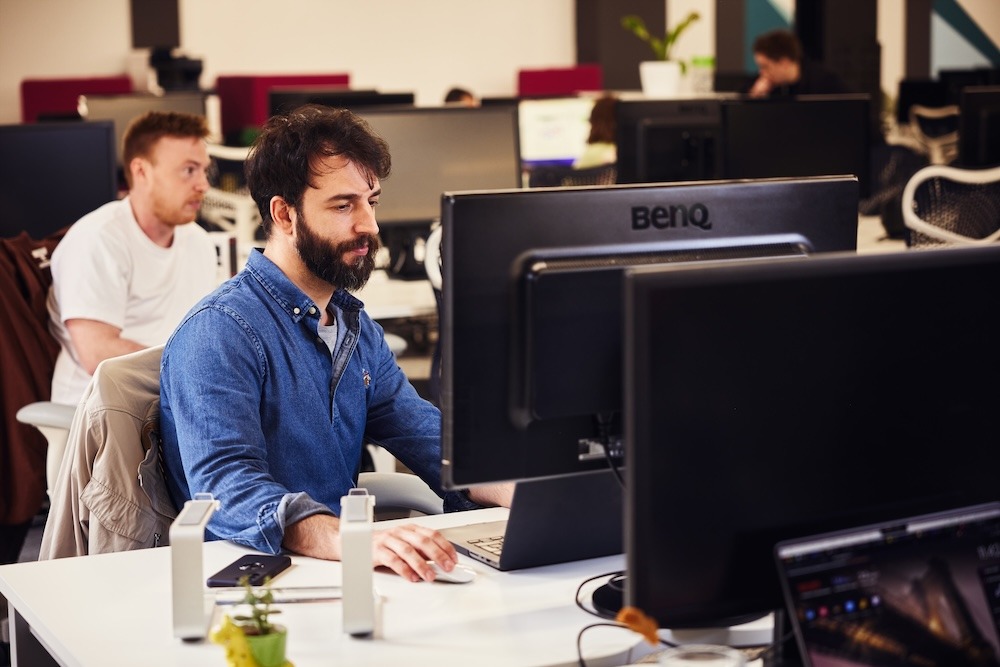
(661, 46)
(259, 601)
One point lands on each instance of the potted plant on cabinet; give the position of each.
(660, 77)
(252, 640)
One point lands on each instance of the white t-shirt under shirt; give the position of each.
(107, 269)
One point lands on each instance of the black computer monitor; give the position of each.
(808, 135)
(955, 80)
(531, 313)
(53, 173)
(768, 402)
(282, 99)
(660, 141)
(979, 127)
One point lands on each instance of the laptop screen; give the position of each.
(925, 591)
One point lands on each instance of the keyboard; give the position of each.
(491, 544)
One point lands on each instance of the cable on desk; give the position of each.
(616, 578)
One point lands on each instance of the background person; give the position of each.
(785, 71)
(272, 384)
(125, 274)
(460, 96)
(601, 142)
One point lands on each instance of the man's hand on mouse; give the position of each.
(406, 549)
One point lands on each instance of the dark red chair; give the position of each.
(57, 98)
(243, 98)
(559, 80)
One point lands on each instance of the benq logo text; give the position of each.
(669, 217)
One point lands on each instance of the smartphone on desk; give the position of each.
(255, 567)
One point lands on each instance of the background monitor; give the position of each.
(954, 80)
(531, 312)
(437, 149)
(282, 99)
(434, 150)
(808, 135)
(122, 109)
(668, 140)
(53, 173)
(773, 401)
(553, 131)
(979, 127)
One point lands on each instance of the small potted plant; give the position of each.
(660, 77)
(251, 639)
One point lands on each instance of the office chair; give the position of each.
(110, 493)
(227, 204)
(548, 177)
(432, 265)
(605, 174)
(936, 131)
(949, 205)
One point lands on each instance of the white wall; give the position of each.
(425, 46)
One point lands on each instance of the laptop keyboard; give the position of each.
(491, 544)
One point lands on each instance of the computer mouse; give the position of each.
(458, 575)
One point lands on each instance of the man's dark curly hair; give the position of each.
(282, 160)
(778, 44)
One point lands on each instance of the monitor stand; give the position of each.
(608, 599)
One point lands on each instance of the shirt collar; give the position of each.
(291, 299)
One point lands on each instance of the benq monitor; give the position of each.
(777, 400)
(54, 173)
(532, 315)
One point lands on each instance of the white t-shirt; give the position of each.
(107, 269)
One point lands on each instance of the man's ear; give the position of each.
(137, 169)
(282, 214)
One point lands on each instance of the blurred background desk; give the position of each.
(114, 609)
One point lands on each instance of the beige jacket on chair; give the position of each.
(110, 494)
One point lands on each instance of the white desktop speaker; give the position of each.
(357, 511)
(192, 609)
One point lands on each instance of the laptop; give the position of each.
(923, 591)
(552, 520)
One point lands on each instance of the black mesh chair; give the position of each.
(550, 177)
(945, 205)
(936, 131)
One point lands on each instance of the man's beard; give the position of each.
(325, 260)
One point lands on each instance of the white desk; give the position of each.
(114, 609)
(388, 298)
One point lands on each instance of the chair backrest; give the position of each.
(560, 80)
(400, 491)
(604, 174)
(110, 493)
(243, 99)
(950, 205)
(936, 129)
(556, 176)
(432, 265)
(59, 97)
(228, 205)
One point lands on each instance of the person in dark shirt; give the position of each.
(784, 70)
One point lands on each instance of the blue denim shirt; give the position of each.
(255, 409)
